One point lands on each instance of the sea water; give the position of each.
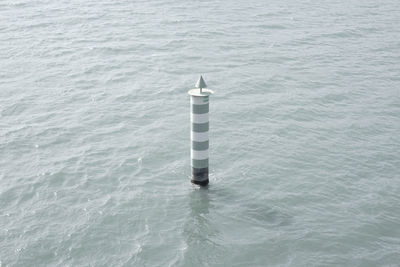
(95, 133)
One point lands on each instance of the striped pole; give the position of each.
(199, 107)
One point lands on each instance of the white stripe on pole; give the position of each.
(198, 100)
(202, 154)
(199, 137)
(199, 118)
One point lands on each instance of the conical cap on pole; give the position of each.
(200, 89)
(201, 83)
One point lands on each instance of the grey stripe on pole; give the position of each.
(200, 127)
(200, 163)
(199, 108)
(200, 145)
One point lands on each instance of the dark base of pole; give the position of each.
(202, 183)
(200, 176)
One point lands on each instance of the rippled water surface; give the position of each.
(94, 133)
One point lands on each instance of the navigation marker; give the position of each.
(199, 119)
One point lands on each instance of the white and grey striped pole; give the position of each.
(199, 107)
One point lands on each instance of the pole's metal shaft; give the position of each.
(199, 136)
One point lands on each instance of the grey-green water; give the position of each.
(94, 133)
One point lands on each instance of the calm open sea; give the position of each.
(95, 133)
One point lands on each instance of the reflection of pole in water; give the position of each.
(199, 203)
(200, 233)
(199, 107)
